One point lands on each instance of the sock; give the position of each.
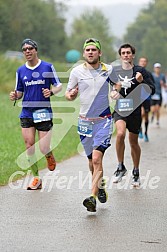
(48, 154)
(33, 165)
(146, 127)
(136, 171)
(120, 165)
(94, 196)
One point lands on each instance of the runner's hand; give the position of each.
(139, 77)
(115, 95)
(46, 92)
(73, 93)
(13, 96)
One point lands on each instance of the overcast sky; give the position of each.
(104, 2)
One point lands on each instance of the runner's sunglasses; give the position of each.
(30, 48)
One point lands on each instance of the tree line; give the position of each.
(43, 21)
(40, 20)
(149, 34)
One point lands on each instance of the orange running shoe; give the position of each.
(51, 162)
(36, 184)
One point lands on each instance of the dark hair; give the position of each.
(29, 42)
(143, 57)
(127, 46)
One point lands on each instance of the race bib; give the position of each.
(156, 97)
(85, 127)
(41, 115)
(125, 104)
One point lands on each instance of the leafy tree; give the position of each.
(155, 52)
(148, 33)
(92, 24)
(40, 20)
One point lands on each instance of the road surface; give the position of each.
(54, 218)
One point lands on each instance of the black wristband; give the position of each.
(51, 93)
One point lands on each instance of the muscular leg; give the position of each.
(91, 166)
(97, 171)
(29, 139)
(135, 149)
(152, 112)
(44, 145)
(158, 112)
(142, 112)
(44, 141)
(120, 139)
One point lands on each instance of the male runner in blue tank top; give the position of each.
(36, 81)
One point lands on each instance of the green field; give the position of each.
(12, 145)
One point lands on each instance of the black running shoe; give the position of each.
(119, 173)
(102, 194)
(90, 204)
(135, 178)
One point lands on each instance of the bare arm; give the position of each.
(71, 94)
(115, 95)
(15, 95)
(49, 92)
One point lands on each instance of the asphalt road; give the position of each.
(54, 218)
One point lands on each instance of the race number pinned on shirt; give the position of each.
(41, 115)
(125, 104)
(85, 127)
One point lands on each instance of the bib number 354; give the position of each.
(125, 104)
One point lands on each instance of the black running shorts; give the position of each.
(146, 105)
(41, 126)
(133, 122)
(156, 102)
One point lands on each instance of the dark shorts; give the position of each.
(133, 122)
(41, 126)
(146, 105)
(156, 102)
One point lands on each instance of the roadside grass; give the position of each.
(12, 145)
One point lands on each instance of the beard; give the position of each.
(92, 61)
